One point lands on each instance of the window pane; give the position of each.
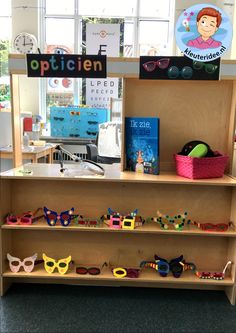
(154, 43)
(128, 39)
(60, 7)
(6, 8)
(154, 8)
(64, 33)
(107, 8)
(5, 28)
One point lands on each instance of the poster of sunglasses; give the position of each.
(203, 32)
(177, 68)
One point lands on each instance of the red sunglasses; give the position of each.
(150, 66)
(220, 227)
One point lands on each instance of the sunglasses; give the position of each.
(62, 264)
(91, 133)
(121, 272)
(86, 222)
(178, 221)
(58, 118)
(26, 219)
(90, 122)
(16, 263)
(220, 227)
(74, 135)
(92, 113)
(174, 72)
(209, 68)
(64, 217)
(150, 66)
(214, 275)
(73, 113)
(91, 270)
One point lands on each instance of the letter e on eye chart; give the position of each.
(203, 32)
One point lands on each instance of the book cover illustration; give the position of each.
(142, 144)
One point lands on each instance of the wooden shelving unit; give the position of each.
(188, 110)
(147, 228)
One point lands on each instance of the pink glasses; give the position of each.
(26, 218)
(150, 66)
(27, 263)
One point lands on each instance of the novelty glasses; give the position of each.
(214, 275)
(160, 266)
(165, 220)
(50, 264)
(16, 263)
(26, 218)
(64, 217)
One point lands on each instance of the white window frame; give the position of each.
(77, 37)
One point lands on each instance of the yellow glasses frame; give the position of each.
(50, 264)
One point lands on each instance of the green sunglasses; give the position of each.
(209, 68)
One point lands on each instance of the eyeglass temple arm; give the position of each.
(228, 263)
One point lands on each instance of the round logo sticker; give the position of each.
(203, 32)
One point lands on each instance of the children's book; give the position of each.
(142, 144)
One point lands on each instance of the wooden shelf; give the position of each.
(112, 174)
(149, 228)
(146, 276)
(210, 118)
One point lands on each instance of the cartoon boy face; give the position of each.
(207, 26)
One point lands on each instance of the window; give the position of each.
(5, 42)
(146, 29)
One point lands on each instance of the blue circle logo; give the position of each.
(203, 32)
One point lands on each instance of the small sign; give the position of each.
(178, 68)
(66, 65)
(203, 32)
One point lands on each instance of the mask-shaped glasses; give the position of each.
(15, 263)
(50, 264)
(64, 217)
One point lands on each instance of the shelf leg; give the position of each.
(4, 285)
(231, 294)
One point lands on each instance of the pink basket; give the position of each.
(204, 167)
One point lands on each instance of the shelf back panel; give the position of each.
(188, 110)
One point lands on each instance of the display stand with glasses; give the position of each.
(187, 110)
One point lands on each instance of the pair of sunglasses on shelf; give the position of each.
(214, 275)
(177, 266)
(65, 218)
(165, 221)
(27, 263)
(219, 227)
(86, 222)
(24, 219)
(92, 270)
(120, 272)
(51, 264)
(52, 217)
